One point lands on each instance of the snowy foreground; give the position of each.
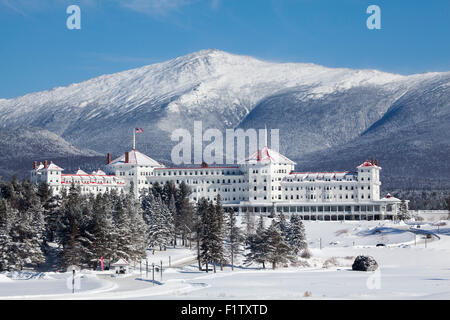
(409, 269)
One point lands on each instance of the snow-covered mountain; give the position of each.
(315, 108)
(20, 146)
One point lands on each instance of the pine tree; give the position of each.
(217, 233)
(283, 225)
(122, 232)
(185, 215)
(297, 236)
(160, 222)
(199, 227)
(6, 257)
(278, 251)
(403, 211)
(27, 229)
(257, 245)
(157, 190)
(249, 221)
(207, 214)
(172, 215)
(68, 231)
(234, 237)
(137, 228)
(168, 191)
(102, 227)
(272, 212)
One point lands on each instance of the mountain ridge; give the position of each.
(316, 108)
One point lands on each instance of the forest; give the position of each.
(42, 231)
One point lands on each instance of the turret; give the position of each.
(369, 180)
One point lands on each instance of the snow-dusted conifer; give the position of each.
(234, 237)
(278, 251)
(257, 245)
(297, 235)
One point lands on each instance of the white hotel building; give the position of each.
(263, 182)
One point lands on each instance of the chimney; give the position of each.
(376, 163)
(127, 157)
(109, 158)
(45, 164)
(35, 165)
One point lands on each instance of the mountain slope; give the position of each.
(21, 146)
(213, 86)
(328, 117)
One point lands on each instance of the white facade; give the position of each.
(94, 183)
(266, 181)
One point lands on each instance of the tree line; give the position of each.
(80, 229)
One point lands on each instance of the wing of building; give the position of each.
(95, 182)
(263, 182)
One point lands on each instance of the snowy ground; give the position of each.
(409, 269)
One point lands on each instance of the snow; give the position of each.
(137, 158)
(409, 269)
(266, 155)
(197, 79)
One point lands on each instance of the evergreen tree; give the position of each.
(297, 236)
(278, 251)
(217, 233)
(6, 254)
(27, 229)
(168, 191)
(68, 232)
(138, 228)
(234, 237)
(156, 189)
(102, 228)
(257, 245)
(160, 222)
(447, 205)
(207, 213)
(184, 220)
(199, 227)
(283, 225)
(122, 238)
(403, 213)
(249, 221)
(272, 212)
(172, 215)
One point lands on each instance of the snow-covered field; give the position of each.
(409, 269)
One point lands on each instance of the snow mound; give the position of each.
(4, 278)
(170, 270)
(26, 275)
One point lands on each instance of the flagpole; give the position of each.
(134, 139)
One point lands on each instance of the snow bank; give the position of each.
(4, 278)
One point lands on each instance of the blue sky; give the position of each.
(38, 52)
